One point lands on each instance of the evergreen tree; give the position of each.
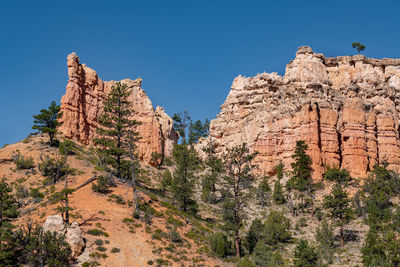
(264, 192)
(183, 182)
(381, 248)
(279, 168)
(305, 255)
(198, 130)
(8, 211)
(254, 234)
(45, 248)
(276, 229)
(213, 173)
(264, 257)
(47, 121)
(358, 46)
(339, 208)
(301, 174)
(237, 182)
(378, 190)
(117, 134)
(339, 176)
(278, 196)
(181, 121)
(325, 237)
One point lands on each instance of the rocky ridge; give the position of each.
(345, 108)
(82, 105)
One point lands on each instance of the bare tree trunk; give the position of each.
(133, 179)
(341, 236)
(237, 243)
(66, 200)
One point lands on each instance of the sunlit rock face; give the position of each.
(82, 104)
(345, 108)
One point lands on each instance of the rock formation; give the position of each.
(345, 108)
(82, 105)
(73, 234)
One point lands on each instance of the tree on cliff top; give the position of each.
(47, 121)
(358, 46)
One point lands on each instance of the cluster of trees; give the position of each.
(27, 245)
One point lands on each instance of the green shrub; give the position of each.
(174, 236)
(23, 163)
(97, 232)
(305, 255)
(99, 242)
(263, 256)
(36, 194)
(101, 248)
(276, 229)
(103, 184)
(67, 147)
(21, 192)
(115, 250)
(219, 244)
(54, 169)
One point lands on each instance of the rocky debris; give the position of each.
(82, 104)
(345, 108)
(73, 233)
(55, 223)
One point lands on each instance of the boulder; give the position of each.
(73, 233)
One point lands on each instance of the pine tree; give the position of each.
(278, 195)
(305, 255)
(264, 192)
(325, 237)
(198, 130)
(47, 121)
(301, 174)
(263, 256)
(183, 182)
(117, 134)
(8, 211)
(358, 46)
(181, 121)
(339, 208)
(254, 234)
(276, 229)
(213, 173)
(237, 182)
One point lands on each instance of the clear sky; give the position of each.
(187, 52)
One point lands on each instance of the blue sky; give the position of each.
(187, 52)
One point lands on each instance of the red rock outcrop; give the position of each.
(82, 105)
(345, 108)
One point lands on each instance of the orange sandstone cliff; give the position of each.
(82, 105)
(345, 108)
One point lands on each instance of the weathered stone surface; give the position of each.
(74, 239)
(345, 108)
(82, 105)
(73, 233)
(54, 223)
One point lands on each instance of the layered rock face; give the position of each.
(82, 104)
(345, 108)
